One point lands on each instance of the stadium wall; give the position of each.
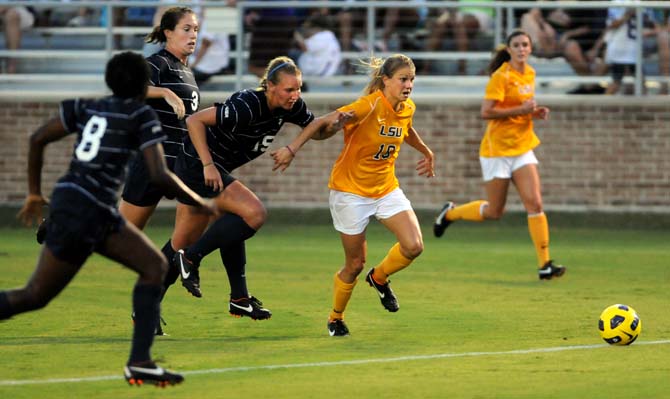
(598, 154)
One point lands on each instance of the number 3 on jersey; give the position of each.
(90, 138)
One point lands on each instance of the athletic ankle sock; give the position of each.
(173, 270)
(539, 233)
(234, 259)
(341, 295)
(226, 230)
(5, 307)
(146, 305)
(473, 211)
(392, 263)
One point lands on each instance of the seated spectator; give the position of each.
(320, 51)
(621, 53)
(271, 36)
(543, 35)
(463, 24)
(212, 54)
(15, 19)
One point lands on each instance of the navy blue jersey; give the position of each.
(168, 72)
(245, 128)
(109, 131)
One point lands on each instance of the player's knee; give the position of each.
(534, 207)
(356, 265)
(32, 298)
(256, 216)
(413, 250)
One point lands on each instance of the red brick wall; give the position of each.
(602, 153)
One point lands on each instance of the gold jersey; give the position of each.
(514, 135)
(372, 140)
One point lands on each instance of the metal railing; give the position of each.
(503, 12)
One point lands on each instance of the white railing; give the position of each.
(504, 10)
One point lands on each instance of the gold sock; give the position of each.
(471, 211)
(392, 263)
(539, 233)
(341, 294)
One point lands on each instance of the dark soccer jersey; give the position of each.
(245, 128)
(109, 131)
(168, 72)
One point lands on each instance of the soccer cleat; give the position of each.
(337, 328)
(550, 270)
(441, 223)
(150, 374)
(386, 295)
(249, 307)
(190, 276)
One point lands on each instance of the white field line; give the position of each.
(336, 363)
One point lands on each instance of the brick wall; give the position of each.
(601, 153)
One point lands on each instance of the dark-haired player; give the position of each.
(83, 218)
(174, 95)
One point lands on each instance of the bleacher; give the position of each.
(60, 57)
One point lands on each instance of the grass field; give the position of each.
(474, 322)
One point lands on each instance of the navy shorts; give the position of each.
(139, 190)
(189, 170)
(78, 226)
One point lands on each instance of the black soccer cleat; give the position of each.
(386, 295)
(441, 223)
(337, 328)
(151, 374)
(248, 307)
(189, 274)
(550, 270)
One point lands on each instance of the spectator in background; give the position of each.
(321, 54)
(271, 35)
(621, 53)
(16, 19)
(212, 56)
(463, 24)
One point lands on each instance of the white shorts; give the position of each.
(26, 18)
(351, 213)
(503, 167)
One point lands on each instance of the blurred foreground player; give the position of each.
(83, 217)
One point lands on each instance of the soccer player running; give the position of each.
(221, 139)
(506, 151)
(363, 182)
(173, 94)
(83, 217)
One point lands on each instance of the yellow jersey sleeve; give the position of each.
(511, 136)
(372, 140)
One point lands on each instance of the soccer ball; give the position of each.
(619, 325)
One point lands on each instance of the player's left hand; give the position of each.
(282, 158)
(426, 166)
(541, 113)
(32, 209)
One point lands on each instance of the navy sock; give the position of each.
(224, 232)
(5, 308)
(234, 258)
(146, 305)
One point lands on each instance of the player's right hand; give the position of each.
(32, 209)
(175, 102)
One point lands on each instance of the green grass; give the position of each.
(474, 291)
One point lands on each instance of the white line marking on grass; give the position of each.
(336, 363)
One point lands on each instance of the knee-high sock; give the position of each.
(173, 270)
(473, 211)
(225, 231)
(341, 295)
(146, 305)
(234, 258)
(392, 263)
(5, 308)
(539, 233)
